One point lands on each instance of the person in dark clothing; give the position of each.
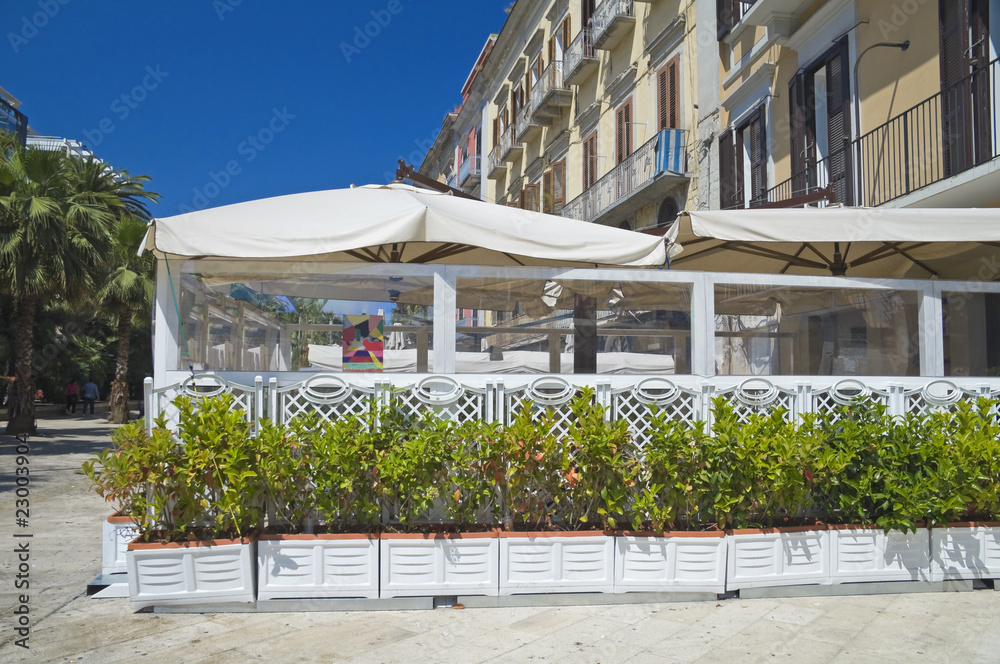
(90, 395)
(72, 396)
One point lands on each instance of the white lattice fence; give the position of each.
(328, 397)
(246, 398)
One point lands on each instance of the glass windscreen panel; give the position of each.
(511, 325)
(783, 331)
(268, 317)
(971, 333)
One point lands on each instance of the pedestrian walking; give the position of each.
(90, 395)
(72, 396)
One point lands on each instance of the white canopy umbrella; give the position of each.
(860, 242)
(397, 223)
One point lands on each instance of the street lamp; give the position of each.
(902, 46)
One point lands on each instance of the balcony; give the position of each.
(611, 22)
(452, 181)
(526, 127)
(580, 60)
(632, 184)
(945, 148)
(507, 150)
(550, 94)
(469, 173)
(13, 121)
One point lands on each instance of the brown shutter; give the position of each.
(838, 102)
(668, 100)
(758, 158)
(558, 187)
(727, 171)
(662, 100)
(530, 198)
(587, 157)
(982, 105)
(623, 131)
(567, 34)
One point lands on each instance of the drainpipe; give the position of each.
(902, 46)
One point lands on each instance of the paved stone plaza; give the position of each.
(67, 626)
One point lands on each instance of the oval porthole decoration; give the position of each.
(550, 391)
(941, 393)
(756, 392)
(656, 391)
(438, 390)
(204, 386)
(326, 389)
(847, 391)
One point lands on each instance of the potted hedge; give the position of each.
(320, 481)
(192, 496)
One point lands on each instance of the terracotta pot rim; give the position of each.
(194, 544)
(438, 536)
(670, 533)
(554, 533)
(770, 531)
(305, 537)
(117, 517)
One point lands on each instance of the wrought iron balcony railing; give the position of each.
(607, 19)
(550, 93)
(665, 153)
(580, 58)
(951, 132)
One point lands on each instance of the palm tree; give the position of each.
(126, 294)
(57, 216)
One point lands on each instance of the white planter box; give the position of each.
(191, 573)
(965, 551)
(317, 566)
(118, 531)
(862, 554)
(553, 563)
(786, 557)
(691, 562)
(439, 564)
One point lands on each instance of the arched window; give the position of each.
(667, 214)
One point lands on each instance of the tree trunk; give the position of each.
(118, 401)
(22, 390)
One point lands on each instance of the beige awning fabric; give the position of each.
(860, 242)
(397, 223)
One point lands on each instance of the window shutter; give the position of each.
(758, 159)
(558, 187)
(567, 35)
(623, 131)
(956, 64)
(838, 100)
(590, 161)
(661, 100)
(674, 92)
(552, 47)
(727, 171)
(530, 198)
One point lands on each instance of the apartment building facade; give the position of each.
(881, 102)
(580, 108)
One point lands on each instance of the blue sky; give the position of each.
(222, 101)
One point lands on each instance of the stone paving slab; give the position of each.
(69, 627)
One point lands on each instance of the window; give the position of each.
(623, 132)
(667, 214)
(560, 39)
(668, 99)
(590, 161)
(820, 99)
(729, 12)
(554, 188)
(530, 197)
(586, 12)
(743, 162)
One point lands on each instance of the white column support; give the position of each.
(931, 327)
(445, 299)
(165, 322)
(272, 400)
(147, 395)
(703, 326)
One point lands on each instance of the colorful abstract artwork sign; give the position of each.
(364, 341)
